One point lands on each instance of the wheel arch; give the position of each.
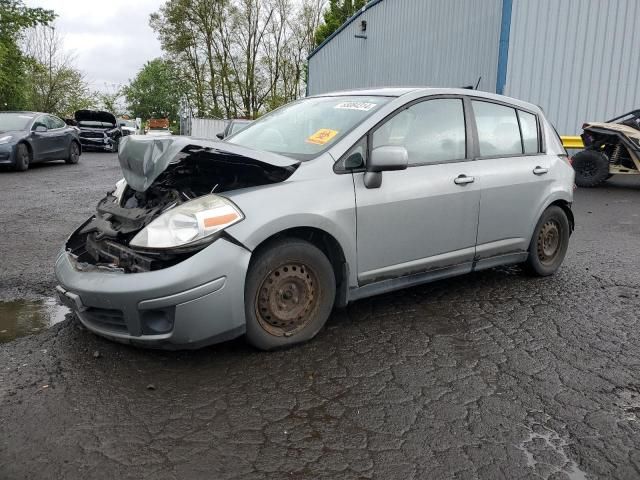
(566, 207)
(326, 243)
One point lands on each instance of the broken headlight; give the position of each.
(188, 223)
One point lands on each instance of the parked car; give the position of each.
(32, 137)
(324, 201)
(127, 127)
(233, 126)
(159, 132)
(99, 130)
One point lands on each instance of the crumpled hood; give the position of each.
(94, 116)
(143, 158)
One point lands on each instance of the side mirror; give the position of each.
(220, 135)
(383, 159)
(41, 129)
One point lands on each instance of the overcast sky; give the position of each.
(111, 38)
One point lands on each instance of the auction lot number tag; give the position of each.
(362, 106)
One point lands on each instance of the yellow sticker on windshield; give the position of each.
(322, 136)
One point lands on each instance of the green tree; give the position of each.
(339, 11)
(155, 91)
(52, 83)
(15, 19)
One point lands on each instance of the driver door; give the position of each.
(424, 218)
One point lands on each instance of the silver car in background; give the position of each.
(324, 201)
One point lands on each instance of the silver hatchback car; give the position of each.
(324, 201)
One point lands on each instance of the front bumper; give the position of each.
(197, 302)
(7, 154)
(105, 143)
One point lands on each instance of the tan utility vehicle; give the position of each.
(611, 148)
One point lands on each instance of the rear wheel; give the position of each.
(549, 243)
(289, 294)
(591, 167)
(74, 153)
(23, 157)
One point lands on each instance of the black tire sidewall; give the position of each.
(602, 163)
(71, 160)
(21, 165)
(265, 261)
(534, 266)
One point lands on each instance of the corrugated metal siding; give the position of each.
(445, 43)
(578, 59)
(207, 127)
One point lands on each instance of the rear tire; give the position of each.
(23, 157)
(289, 294)
(74, 154)
(549, 242)
(591, 167)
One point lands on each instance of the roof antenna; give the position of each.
(478, 84)
(471, 87)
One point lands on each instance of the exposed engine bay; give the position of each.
(103, 241)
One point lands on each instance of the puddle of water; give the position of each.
(25, 317)
(546, 439)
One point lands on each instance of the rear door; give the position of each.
(423, 218)
(59, 137)
(514, 174)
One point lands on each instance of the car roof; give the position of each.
(24, 112)
(418, 91)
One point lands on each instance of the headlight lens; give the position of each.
(5, 139)
(188, 223)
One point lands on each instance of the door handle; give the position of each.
(540, 170)
(463, 180)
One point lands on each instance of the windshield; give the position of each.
(128, 123)
(14, 121)
(238, 126)
(305, 128)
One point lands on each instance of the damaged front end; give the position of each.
(168, 206)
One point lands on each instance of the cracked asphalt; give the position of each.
(492, 375)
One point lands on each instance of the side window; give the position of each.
(56, 122)
(40, 122)
(432, 131)
(355, 158)
(498, 131)
(529, 128)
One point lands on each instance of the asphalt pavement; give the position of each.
(491, 375)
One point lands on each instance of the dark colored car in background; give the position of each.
(234, 126)
(99, 130)
(31, 137)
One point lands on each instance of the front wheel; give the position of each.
(115, 146)
(549, 243)
(23, 157)
(289, 294)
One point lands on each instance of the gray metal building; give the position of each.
(578, 59)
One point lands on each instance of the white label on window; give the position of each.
(363, 106)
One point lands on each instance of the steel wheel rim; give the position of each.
(287, 299)
(549, 242)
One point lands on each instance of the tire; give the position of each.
(23, 157)
(289, 294)
(549, 242)
(74, 153)
(115, 146)
(591, 167)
